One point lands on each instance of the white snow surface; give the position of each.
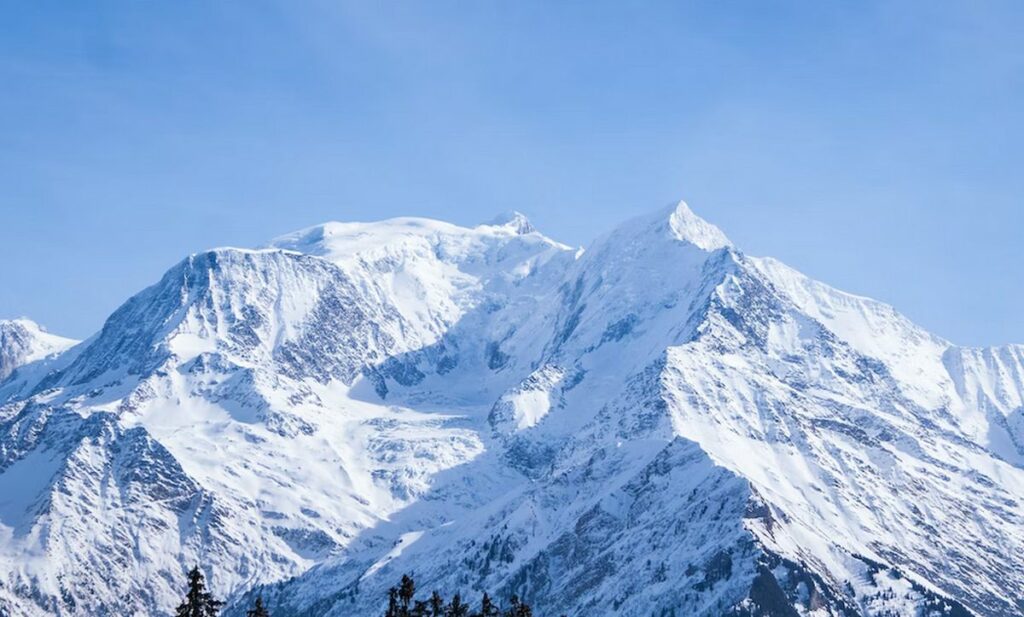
(657, 425)
(689, 227)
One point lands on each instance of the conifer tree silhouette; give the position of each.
(406, 590)
(402, 603)
(198, 602)
(436, 605)
(488, 608)
(258, 610)
(392, 603)
(457, 608)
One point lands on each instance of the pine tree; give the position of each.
(402, 603)
(392, 603)
(513, 608)
(419, 609)
(198, 602)
(457, 608)
(257, 610)
(488, 608)
(405, 593)
(436, 605)
(518, 608)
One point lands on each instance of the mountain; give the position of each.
(23, 341)
(660, 425)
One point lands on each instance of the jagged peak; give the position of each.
(688, 227)
(670, 225)
(32, 328)
(23, 340)
(21, 322)
(514, 220)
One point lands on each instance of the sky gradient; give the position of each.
(874, 146)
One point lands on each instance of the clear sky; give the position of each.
(875, 146)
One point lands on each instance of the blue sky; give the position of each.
(875, 146)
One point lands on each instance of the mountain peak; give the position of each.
(394, 392)
(689, 227)
(22, 322)
(27, 327)
(514, 220)
(23, 340)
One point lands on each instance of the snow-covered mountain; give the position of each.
(659, 425)
(23, 341)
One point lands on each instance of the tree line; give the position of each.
(402, 603)
(199, 602)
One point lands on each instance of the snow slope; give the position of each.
(657, 425)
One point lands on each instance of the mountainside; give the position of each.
(658, 425)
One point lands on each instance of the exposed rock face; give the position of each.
(660, 425)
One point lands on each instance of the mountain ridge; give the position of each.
(656, 423)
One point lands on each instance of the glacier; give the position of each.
(659, 424)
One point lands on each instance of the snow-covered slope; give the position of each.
(23, 341)
(657, 425)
